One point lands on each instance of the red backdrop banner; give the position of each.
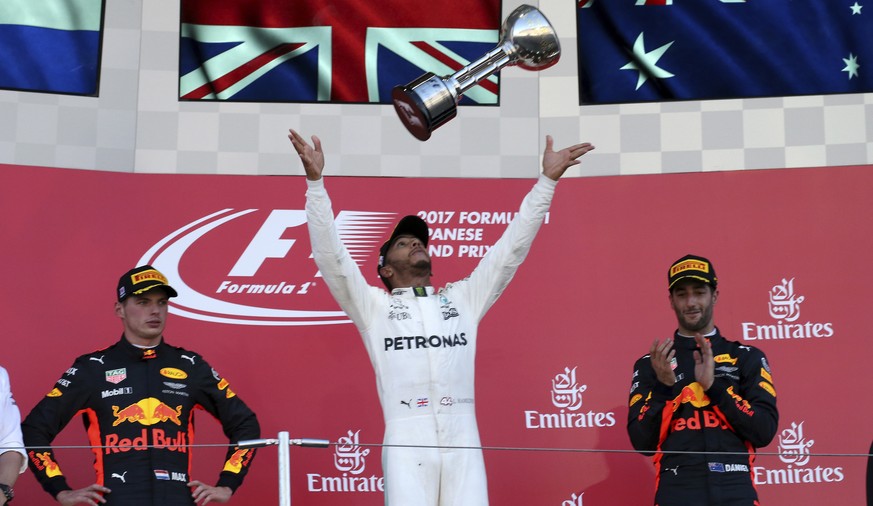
(791, 248)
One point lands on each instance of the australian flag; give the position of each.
(50, 46)
(657, 50)
(348, 51)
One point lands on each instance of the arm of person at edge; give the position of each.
(10, 467)
(12, 459)
(555, 163)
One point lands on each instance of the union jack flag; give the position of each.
(340, 51)
(653, 50)
(422, 402)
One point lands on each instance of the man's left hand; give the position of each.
(205, 494)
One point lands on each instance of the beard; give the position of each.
(423, 266)
(701, 323)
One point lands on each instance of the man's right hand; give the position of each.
(91, 495)
(661, 354)
(311, 156)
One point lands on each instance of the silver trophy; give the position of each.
(527, 40)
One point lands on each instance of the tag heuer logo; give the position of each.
(116, 376)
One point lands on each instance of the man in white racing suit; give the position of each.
(422, 341)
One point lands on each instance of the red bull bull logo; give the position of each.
(692, 393)
(162, 412)
(702, 418)
(237, 461)
(147, 412)
(44, 462)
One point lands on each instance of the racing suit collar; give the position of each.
(413, 291)
(137, 352)
(688, 343)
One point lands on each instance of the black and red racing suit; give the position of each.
(736, 415)
(137, 405)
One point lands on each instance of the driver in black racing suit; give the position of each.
(705, 402)
(137, 400)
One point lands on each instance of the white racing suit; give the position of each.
(422, 348)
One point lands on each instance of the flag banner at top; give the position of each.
(660, 50)
(51, 46)
(343, 51)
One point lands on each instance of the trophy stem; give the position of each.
(482, 68)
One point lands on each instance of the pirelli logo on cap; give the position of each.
(689, 265)
(148, 275)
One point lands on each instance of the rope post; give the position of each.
(284, 470)
(284, 458)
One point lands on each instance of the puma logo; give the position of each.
(95, 359)
(186, 357)
(408, 404)
(119, 476)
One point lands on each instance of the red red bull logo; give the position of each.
(237, 461)
(710, 420)
(44, 462)
(159, 438)
(742, 404)
(147, 412)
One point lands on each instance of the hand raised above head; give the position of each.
(555, 163)
(311, 156)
